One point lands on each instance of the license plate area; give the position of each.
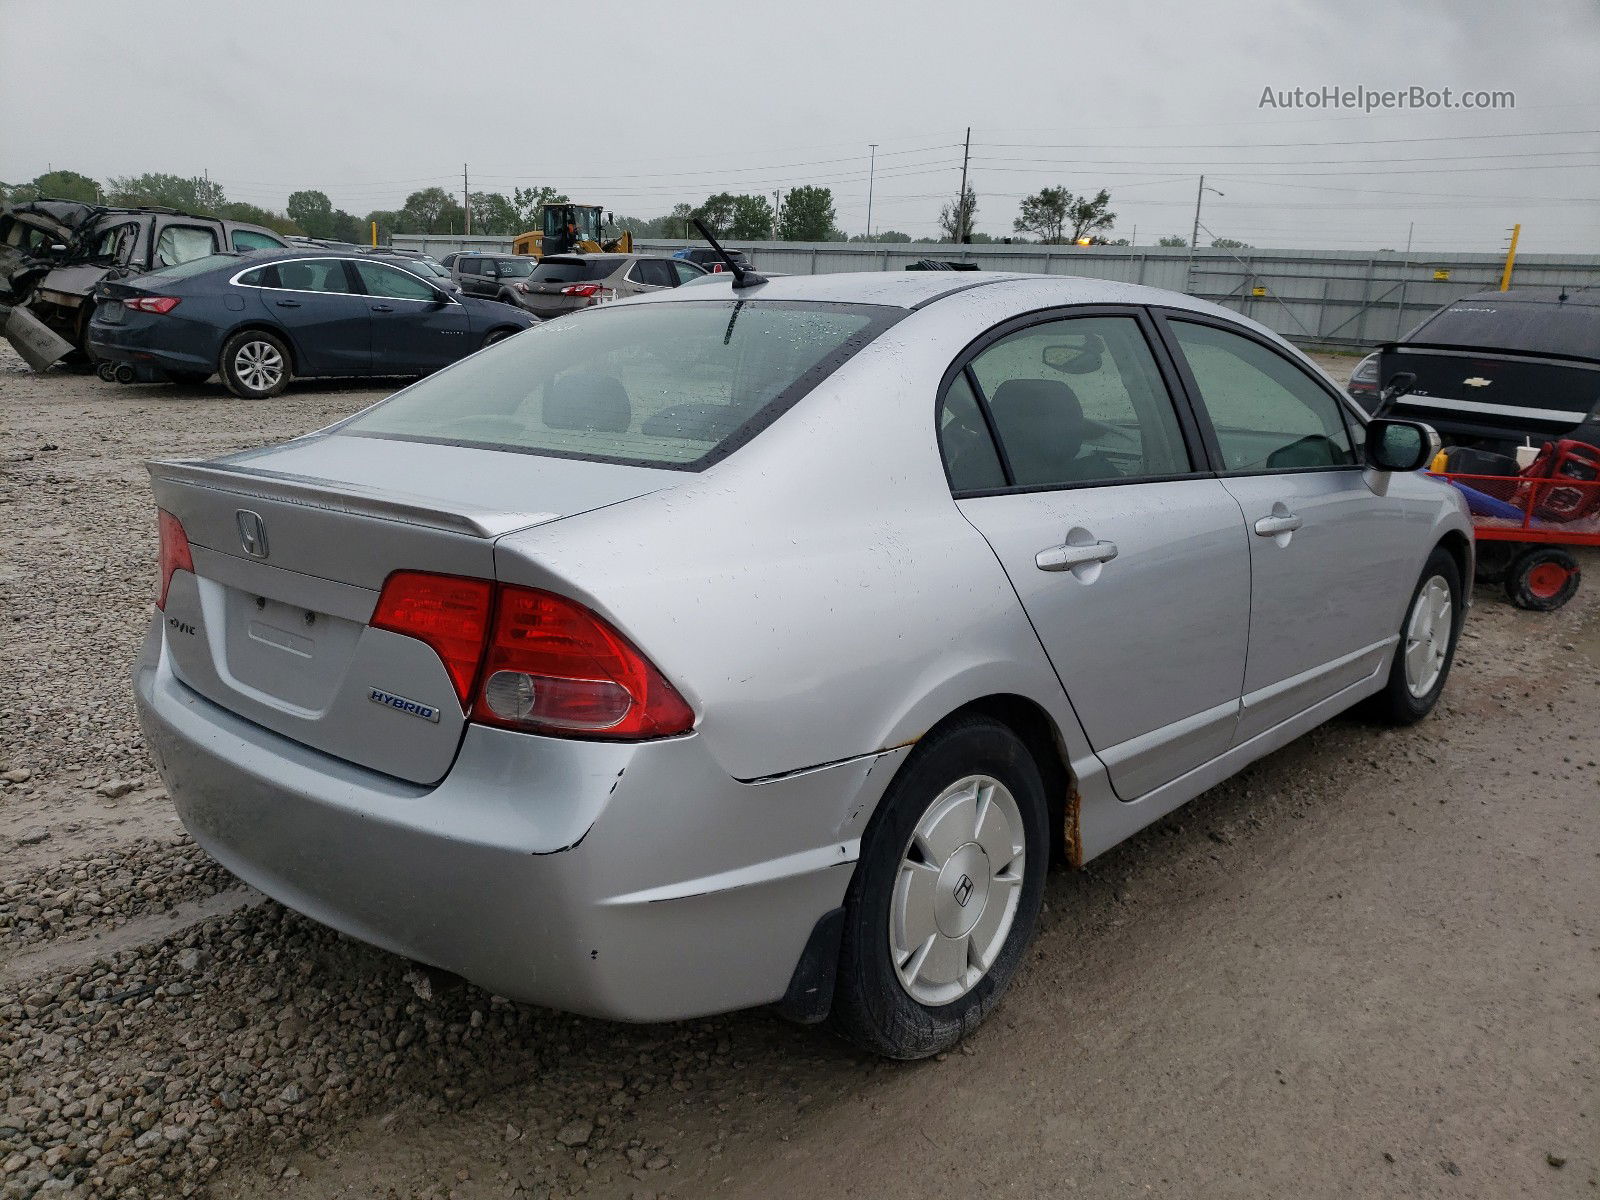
(298, 657)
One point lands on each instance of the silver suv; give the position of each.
(564, 283)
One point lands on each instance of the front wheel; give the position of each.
(255, 364)
(496, 335)
(1427, 644)
(947, 892)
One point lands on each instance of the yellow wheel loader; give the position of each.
(566, 227)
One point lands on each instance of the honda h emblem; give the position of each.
(963, 890)
(252, 533)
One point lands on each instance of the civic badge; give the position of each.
(1476, 381)
(252, 533)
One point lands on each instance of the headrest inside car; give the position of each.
(588, 401)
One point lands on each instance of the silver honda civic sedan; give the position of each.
(765, 644)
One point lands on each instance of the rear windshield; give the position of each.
(516, 268)
(677, 385)
(574, 270)
(195, 266)
(1536, 328)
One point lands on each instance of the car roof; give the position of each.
(1588, 297)
(901, 290)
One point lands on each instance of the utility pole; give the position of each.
(1194, 237)
(466, 199)
(961, 201)
(777, 207)
(872, 165)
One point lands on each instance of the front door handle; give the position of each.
(287, 303)
(1065, 557)
(1278, 523)
(383, 308)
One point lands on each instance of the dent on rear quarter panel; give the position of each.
(817, 595)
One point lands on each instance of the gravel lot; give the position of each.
(1368, 966)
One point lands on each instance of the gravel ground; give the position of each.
(1368, 965)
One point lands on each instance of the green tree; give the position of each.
(432, 210)
(1087, 216)
(717, 213)
(1044, 214)
(493, 213)
(1230, 244)
(388, 221)
(195, 195)
(312, 211)
(251, 214)
(59, 185)
(886, 235)
(1173, 239)
(344, 227)
(807, 215)
(529, 200)
(752, 218)
(956, 218)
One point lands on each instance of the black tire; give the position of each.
(1542, 578)
(871, 1006)
(1398, 703)
(257, 345)
(188, 378)
(497, 335)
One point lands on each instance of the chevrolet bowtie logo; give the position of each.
(1476, 381)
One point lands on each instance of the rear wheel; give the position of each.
(1542, 578)
(255, 364)
(1427, 644)
(946, 894)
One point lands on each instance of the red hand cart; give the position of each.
(1523, 522)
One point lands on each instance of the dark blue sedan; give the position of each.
(259, 320)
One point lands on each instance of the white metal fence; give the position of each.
(1338, 298)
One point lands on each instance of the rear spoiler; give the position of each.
(1491, 351)
(345, 498)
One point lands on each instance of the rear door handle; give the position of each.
(1065, 557)
(287, 303)
(383, 308)
(1278, 523)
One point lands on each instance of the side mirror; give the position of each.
(1400, 383)
(1400, 445)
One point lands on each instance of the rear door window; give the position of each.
(470, 266)
(1267, 413)
(573, 270)
(685, 271)
(183, 243)
(314, 275)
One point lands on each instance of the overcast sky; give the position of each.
(639, 105)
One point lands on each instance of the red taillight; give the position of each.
(155, 304)
(448, 612)
(173, 554)
(555, 667)
(548, 665)
(581, 289)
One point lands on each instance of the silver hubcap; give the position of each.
(1428, 636)
(258, 365)
(957, 890)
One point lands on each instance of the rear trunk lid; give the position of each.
(291, 547)
(1493, 393)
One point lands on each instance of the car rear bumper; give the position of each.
(131, 343)
(635, 882)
